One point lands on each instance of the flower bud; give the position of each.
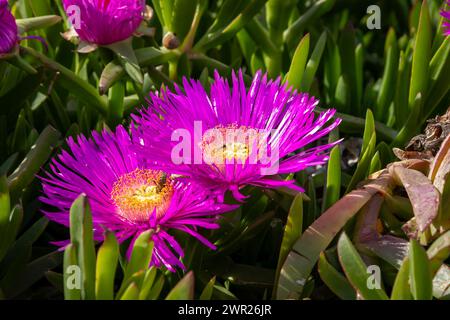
(103, 22)
(8, 29)
(171, 41)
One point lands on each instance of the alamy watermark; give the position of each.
(374, 20)
(374, 280)
(73, 279)
(74, 16)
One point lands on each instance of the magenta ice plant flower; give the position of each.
(103, 22)
(244, 137)
(9, 36)
(126, 197)
(446, 14)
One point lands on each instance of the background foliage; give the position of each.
(384, 83)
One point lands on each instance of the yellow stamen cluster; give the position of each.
(225, 144)
(236, 150)
(138, 193)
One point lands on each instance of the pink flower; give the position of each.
(104, 22)
(446, 15)
(272, 125)
(126, 196)
(8, 29)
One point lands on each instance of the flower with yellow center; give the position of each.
(288, 127)
(127, 197)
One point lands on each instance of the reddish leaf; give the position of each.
(440, 168)
(423, 195)
(389, 248)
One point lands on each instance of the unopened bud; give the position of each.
(171, 41)
(148, 13)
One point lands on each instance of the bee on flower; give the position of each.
(126, 196)
(256, 134)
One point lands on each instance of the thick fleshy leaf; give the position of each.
(369, 130)
(375, 163)
(36, 157)
(107, 258)
(4, 207)
(110, 74)
(116, 103)
(295, 75)
(182, 16)
(362, 169)
(445, 204)
(210, 40)
(208, 290)
(401, 107)
(347, 45)
(261, 36)
(440, 167)
(439, 251)
(419, 272)
(313, 63)
(34, 23)
(128, 59)
(72, 82)
(401, 289)
(292, 232)
(81, 236)
(319, 8)
(153, 56)
(421, 56)
(72, 288)
(387, 88)
(335, 280)
(441, 283)
(277, 17)
(342, 95)
(389, 248)
(356, 271)
(439, 87)
(141, 254)
(333, 184)
(301, 260)
(21, 63)
(131, 293)
(184, 289)
(155, 292)
(228, 11)
(8, 235)
(359, 77)
(147, 283)
(421, 192)
(136, 279)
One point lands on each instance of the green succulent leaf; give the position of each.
(295, 75)
(333, 184)
(335, 280)
(357, 272)
(292, 231)
(421, 56)
(401, 289)
(34, 23)
(107, 259)
(208, 290)
(419, 272)
(184, 289)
